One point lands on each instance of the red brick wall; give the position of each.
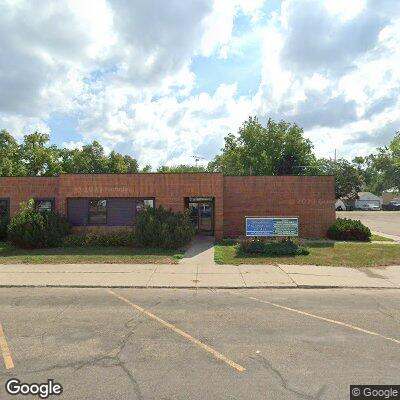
(311, 198)
(168, 189)
(21, 189)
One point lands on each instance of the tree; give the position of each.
(117, 163)
(89, 160)
(348, 180)
(10, 164)
(146, 169)
(372, 177)
(277, 149)
(35, 157)
(387, 162)
(132, 166)
(38, 158)
(181, 168)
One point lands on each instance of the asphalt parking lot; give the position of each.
(200, 344)
(380, 221)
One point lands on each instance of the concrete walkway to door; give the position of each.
(200, 251)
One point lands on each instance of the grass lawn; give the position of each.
(336, 254)
(378, 238)
(86, 255)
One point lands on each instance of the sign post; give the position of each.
(272, 226)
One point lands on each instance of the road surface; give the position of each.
(200, 344)
(380, 221)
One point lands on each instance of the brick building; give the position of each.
(218, 203)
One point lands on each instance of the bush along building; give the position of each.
(217, 204)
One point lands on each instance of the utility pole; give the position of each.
(197, 159)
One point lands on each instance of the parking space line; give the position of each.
(180, 332)
(5, 351)
(332, 321)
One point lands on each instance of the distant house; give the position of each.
(389, 196)
(367, 198)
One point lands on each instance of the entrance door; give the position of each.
(201, 214)
(205, 217)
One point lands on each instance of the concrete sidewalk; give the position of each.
(197, 276)
(200, 251)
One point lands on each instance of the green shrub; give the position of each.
(349, 229)
(3, 228)
(284, 248)
(157, 227)
(31, 229)
(117, 238)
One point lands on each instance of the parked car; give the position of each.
(369, 207)
(394, 205)
(340, 206)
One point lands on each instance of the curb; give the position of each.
(197, 288)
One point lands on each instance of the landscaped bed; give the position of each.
(87, 255)
(330, 253)
(36, 237)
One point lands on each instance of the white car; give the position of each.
(370, 207)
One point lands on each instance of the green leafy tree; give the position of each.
(38, 158)
(146, 169)
(387, 162)
(89, 160)
(374, 180)
(10, 164)
(277, 149)
(348, 179)
(67, 160)
(116, 163)
(132, 165)
(181, 168)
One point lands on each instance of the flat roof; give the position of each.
(152, 173)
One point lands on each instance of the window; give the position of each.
(44, 205)
(97, 211)
(142, 203)
(4, 209)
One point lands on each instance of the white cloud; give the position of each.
(333, 68)
(19, 127)
(124, 68)
(167, 130)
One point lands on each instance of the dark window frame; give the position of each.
(51, 199)
(7, 200)
(88, 223)
(88, 210)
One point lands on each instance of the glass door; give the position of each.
(194, 214)
(201, 211)
(205, 217)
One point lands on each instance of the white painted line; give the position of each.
(332, 321)
(182, 333)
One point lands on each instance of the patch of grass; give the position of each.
(378, 238)
(335, 254)
(88, 255)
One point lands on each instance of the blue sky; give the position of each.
(165, 80)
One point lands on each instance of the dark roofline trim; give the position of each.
(153, 173)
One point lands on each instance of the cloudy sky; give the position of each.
(165, 80)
